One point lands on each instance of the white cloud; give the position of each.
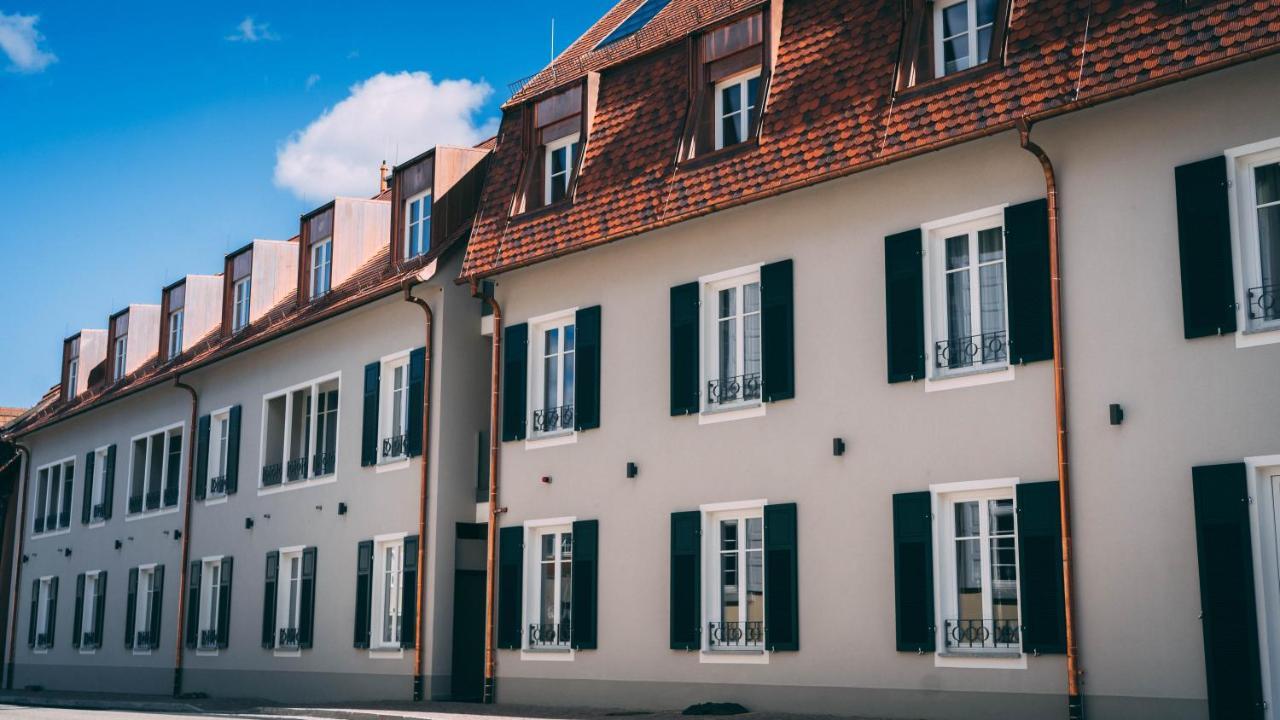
(20, 41)
(312, 79)
(339, 152)
(249, 30)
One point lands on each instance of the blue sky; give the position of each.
(141, 141)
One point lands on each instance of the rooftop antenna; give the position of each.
(553, 39)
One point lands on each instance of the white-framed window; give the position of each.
(148, 591)
(46, 609)
(1255, 184)
(175, 333)
(240, 304)
(734, 558)
(737, 108)
(977, 558)
(51, 511)
(73, 368)
(549, 595)
(90, 633)
(97, 500)
(300, 434)
(560, 165)
(212, 586)
(219, 444)
(962, 31)
(321, 267)
(554, 374)
(968, 295)
(289, 600)
(120, 358)
(155, 472)
(732, 362)
(388, 593)
(417, 225)
(394, 408)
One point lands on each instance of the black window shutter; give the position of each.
(269, 599)
(369, 431)
(364, 593)
(585, 592)
(53, 608)
(1040, 584)
(131, 608)
(86, 502)
(904, 305)
(510, 579)
(409, 593)
(99, 608)
(684, 349)
(515, 353)
(686, 594)
(224, 603)
(307, 603)
(417, 392)
(193, 603)
(35, 613)
(157, 605)
(76, 622)
(109, 483)
(1204, 248)
(586, 392)
(777, 330)
(913, 572)
(1229, 613)
(202, 457)
(1026, 233)
(781, 578)
(232, 470)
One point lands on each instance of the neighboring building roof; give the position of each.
(8, 414)
(832, 109)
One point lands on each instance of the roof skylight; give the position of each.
(634, 21)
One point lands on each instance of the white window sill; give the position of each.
(1258, 335)
(981, 660)
(392, 465)
(52, 533)
(547, 440)
(207, 652)
(386, 653)
(40, 651)
(142, 652)
(218, 500)
(733, 657)
(88, 651)
(96, 524)
(729, 413)
(297, 485)
(548, 654)
(969, 378)
(287, 653)
(151, 513)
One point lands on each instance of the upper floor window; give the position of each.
(963, 32)
(175, 333)
(73, 368)
(101, 470)
(417, 225)
(395, 409)
(54, 485)
(1258, 209)
(300, 433)
(44, 612)
(734, 361)
(219, 437)
(560, 158)
(155, 470)
(737, 108)
(321, 267)
(970, 309)
(120, 358)
(555, 136)
(240, 306)
(554, 375)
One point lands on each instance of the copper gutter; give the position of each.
(424, 487)
(17, 561)
(1075, 702)
(491, 550)
(180, 635)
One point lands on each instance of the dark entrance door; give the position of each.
(468, 635)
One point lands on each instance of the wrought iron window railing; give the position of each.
(297, 469)
(549, 420)
(549, 636)
(89, 640)
(39, 526)
(43, 642)
(963, 352)
(153, 500)
(980, 634)
(218, 485)
(100, 511)
(51, 522)
(135, 504)
(288, 639)
(322, 464)
(739, 388)
(143, 641)
(748, 634)
(272, 474)
(208, 639)
(396, 446)
(1264, 303)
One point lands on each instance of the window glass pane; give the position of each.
(569, 379)
(1004, 566)
(568, 338)
(984, 44)
(986, 12)
(551, 381)
(1267, 179)
(730, 105)
(990, 244)
(753, 103)
(558, 160)
(755, 571)
(957, 252)
(968, 562)
(991, 295)
(729, 600)
(955, 19)
(955, 54)
(1269, 244)
(566, 577)
(958, 314)
(415, 208)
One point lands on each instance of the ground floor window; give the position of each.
(550, 612)
(736, 611)
(980, 571)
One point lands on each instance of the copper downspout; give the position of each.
(1075, 702)
(17, 562)
(490, 578)
(424, 487)
(180, 635)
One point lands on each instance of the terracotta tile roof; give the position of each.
(9, 414)
(832, 110)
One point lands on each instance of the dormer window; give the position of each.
(559, 162)
(417, 225)
(950, 36)
(174, 306)
(737, 108)
(237, 293)
(73, 367)
(731, 69)
(175, 334)
(119, 346)
(240, 308)
(321, 267)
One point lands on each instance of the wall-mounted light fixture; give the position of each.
(66, 552)
(837, 446)
(177, 534)
(248, 523)
(632, 470)
(1116, 413)
(342, 508)
(119, 544)
(546, 479)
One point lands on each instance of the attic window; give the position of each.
(635, 21)
(316, 266)
(73, 367)
(119, 346)
(555, 134)
(732, 71)
(175, 301)
(950, 36)
(236, 294)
